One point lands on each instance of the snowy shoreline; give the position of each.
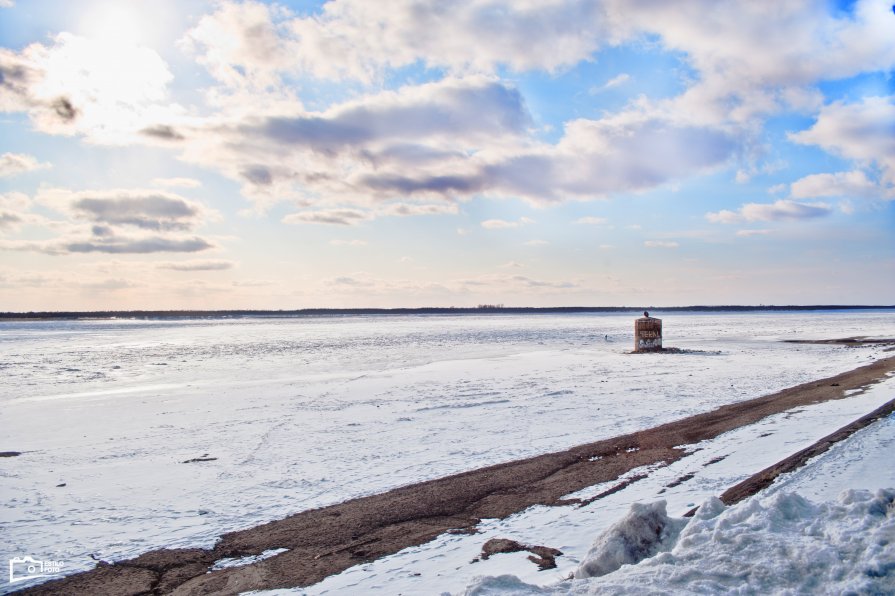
(286, 416)
(258, 540)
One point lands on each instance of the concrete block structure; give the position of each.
(648, 334)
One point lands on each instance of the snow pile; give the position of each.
(642, 533)
(782, 544)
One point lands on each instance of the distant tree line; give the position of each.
(486, 308)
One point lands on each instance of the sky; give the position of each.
(190, 154)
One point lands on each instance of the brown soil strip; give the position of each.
(845, 341)
(326, 541)
(766, 477)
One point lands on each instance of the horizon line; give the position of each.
(189, 313)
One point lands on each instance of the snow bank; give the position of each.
(781, 544)
(643, 532)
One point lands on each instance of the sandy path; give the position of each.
(326, 541)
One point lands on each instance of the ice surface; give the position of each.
(782, 544)
(715, 465)
(291, 414)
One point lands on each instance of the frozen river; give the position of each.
(289, 414)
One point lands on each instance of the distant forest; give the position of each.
(481, 309)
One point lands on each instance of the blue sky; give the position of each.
(193, 154)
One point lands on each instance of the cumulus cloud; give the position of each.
(625, 152)
(163, 132)
(119, 221)
(111, 245)
(766, 56)
(17, 201)
(337, 217)
(468, 109)
(409, 209)
(123, 245)
(249, 43)
(9, 220)
(661, 244)
(863, 131)
(14, 212)
(18, 163)
(468, 134)
(751, 233)
(502, 224)
(241, 45)
(417, 141)
(854, 184)
(144, 209)
(75, 85)
(781, 210)
(758, 60)
(197, 265)
(7, 3)
(591, 221)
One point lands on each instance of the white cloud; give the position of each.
(118, 244)
(512, 281)
(139, 208)
(778, 211)
(18, 163)
(118, 221)
(751, 233)
(417, 142)
(102, 89)
(660, 244)
(592, 221)
(854, 184)
(17, 201)
(409, 209)
(177, 182)
(758, 58)
(338, 217)
(197, 265)
(14, 212)
(360, 40)
(7, 3)
(536, 243)
(615, 81)
(502, 224)
(861, 131)
(240, 44)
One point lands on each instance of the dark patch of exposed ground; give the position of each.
(328, 540)
(855, 342)
(542, 556)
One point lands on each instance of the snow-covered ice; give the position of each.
(289, 414)
(784, 544)
(835, 540)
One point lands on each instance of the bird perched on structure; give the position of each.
(646, 314)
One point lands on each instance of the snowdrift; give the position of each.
(779, 544)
